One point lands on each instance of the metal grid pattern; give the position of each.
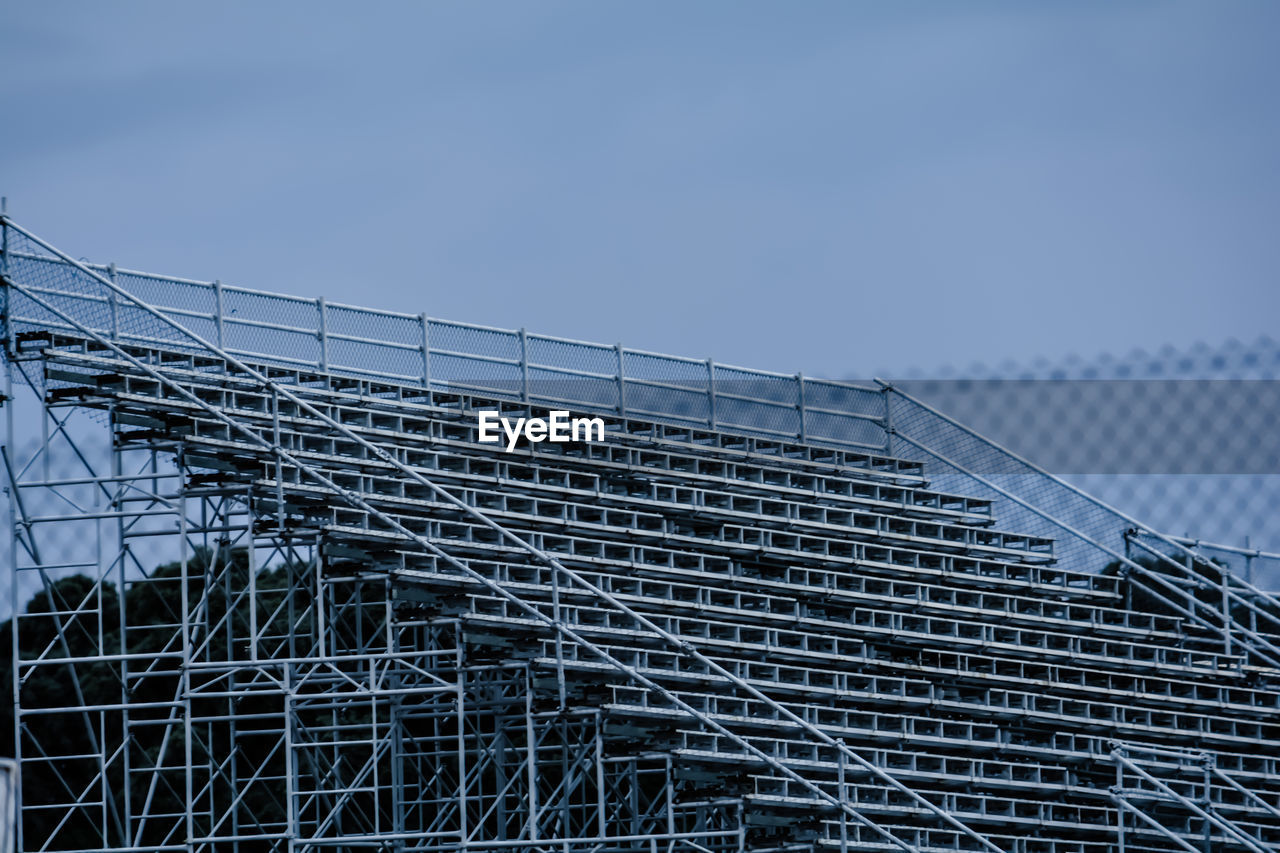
(1181, 438)
(409, 704)
(715, 638)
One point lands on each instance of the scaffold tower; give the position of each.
(282, 599)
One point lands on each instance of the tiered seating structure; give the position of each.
(424, 710)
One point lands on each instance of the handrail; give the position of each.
(514, 350)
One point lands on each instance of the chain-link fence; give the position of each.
(277, 329)
(1185, 439)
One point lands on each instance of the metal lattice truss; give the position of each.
(376, 632)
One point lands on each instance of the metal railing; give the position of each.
(347, 340)
(1147, 788)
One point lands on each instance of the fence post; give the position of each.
(426, 352)
(622, 383)
(711, 394)
(323, 333)
(217, 310)
(888, 420)
(804, 432)
(524, 366)
(115, 311)
(1248, 564)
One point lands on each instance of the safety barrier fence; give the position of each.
(274, 328)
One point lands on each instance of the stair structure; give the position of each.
(377, 632)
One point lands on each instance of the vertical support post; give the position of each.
(555, 612)
(888, 420)
(275, 439)
(463, 831)
(1124, 572)
(565, 792)
(395, 719)
(1226, 610)
(4, 271)
(218, 312)
(1207, 761)
(524, 366)
(531, 755)
(11, 493)
(252, 559)
(1119, 787)
(601, 803)
(322, 596)
(186, 675)
(843, 793)
(115, 310)
(290, 772)
(804, 431)
(622, 382)
(114, 504)
(712, 419)
(323, 332)
(669, 791)
(426, 352)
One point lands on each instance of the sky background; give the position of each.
(833, 188)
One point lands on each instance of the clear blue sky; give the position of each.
(827, 187)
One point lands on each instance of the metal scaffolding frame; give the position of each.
(377, 632)
(1193, 785)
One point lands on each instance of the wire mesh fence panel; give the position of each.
(191, 304)
(474, 340)
(1183, 439)
(554, 387)
(573, 373)
(1088, 535)
(841, 412)
(166, 294)
(685, 372)
(375, 360)
(373, 326)
(682, 405)
(49, 281)
(268, 325)
(839, 429)
(762, 401)
(662, 386)
(575, 357)
(244, 306)
(465, 372)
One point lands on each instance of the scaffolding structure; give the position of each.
(748, 619)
